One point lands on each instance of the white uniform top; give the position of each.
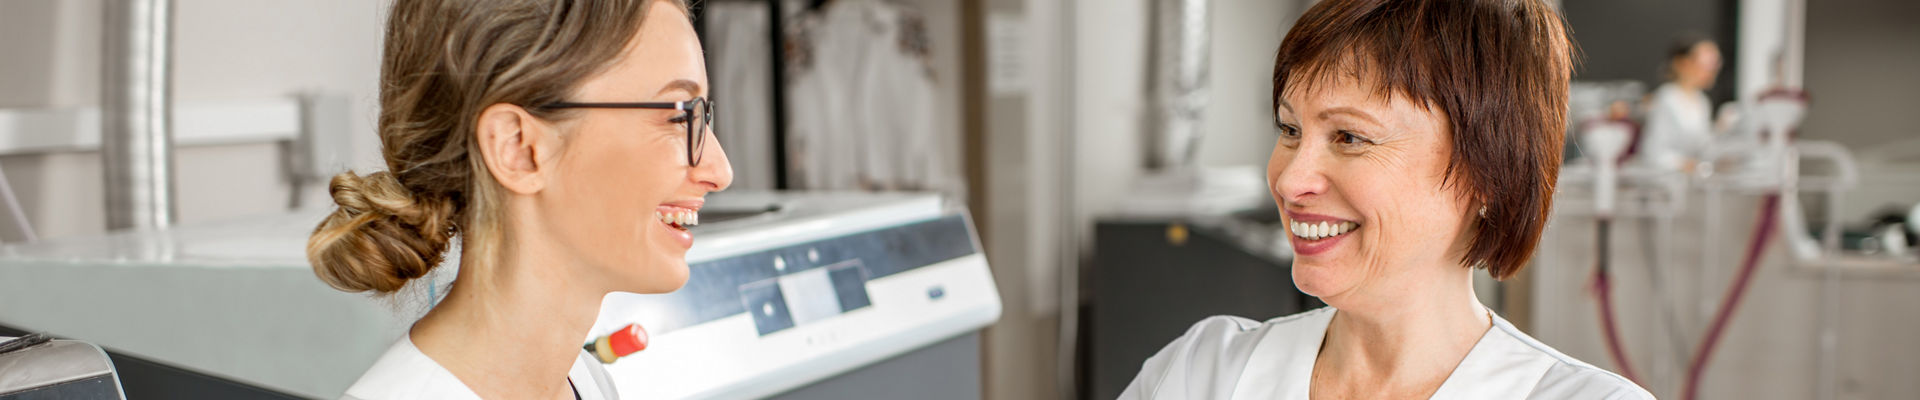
(1679, 126)
(1238, 358)
(406, 373)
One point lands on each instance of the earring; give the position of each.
(1483, 212)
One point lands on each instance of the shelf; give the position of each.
(47, 130)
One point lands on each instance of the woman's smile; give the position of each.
(1314, 234)
(677, 217)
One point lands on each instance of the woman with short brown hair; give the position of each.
(1418, 140)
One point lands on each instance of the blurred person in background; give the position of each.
(1679, 115)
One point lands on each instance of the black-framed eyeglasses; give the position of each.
(699, 109)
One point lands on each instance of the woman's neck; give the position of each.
(1409, 343)
(511, 329)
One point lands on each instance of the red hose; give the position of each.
(1604, 290)
(1729, 304)
(1614, 348)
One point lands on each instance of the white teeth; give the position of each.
(681, 218)
(1322, 230)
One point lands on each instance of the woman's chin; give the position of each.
(669, 276)
(1319, 281)
(673, 277)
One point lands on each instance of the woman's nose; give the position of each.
(714, 172)
(1301, 176)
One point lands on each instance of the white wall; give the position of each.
(1020, 348)
(224, 50)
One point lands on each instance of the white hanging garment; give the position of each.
(861, 103)
(742, 76)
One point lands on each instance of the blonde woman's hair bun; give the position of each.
(381, 236)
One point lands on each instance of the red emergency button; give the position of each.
(628, 340)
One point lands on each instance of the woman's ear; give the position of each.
(516, 148)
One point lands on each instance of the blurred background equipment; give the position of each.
(33, 367)
(1676, 311)
(136, 113)
(1178, 89)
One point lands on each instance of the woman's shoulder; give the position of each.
(1579, 380)
(1233, 326)
(1213, 352)
(403, 372)
(1569, 378)
(1235, 336)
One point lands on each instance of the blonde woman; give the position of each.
(565, 144)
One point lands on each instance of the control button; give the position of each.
(628, 340)
(813, 255)
(764, 301)
(936, 292)
(779, 264)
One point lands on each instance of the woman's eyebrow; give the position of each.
(689, 86)
(1328, 113)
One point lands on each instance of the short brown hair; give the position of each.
(1497, 68)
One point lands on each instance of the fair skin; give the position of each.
(579, 218)
(1698, 69)
(1407, 312)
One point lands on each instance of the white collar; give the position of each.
(406, 373)
(1281, 366)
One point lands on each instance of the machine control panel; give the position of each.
(757, 323)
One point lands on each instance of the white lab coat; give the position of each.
(1238, 358)
(1679, 127)
(406, 373)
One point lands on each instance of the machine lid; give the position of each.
(51, 363)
